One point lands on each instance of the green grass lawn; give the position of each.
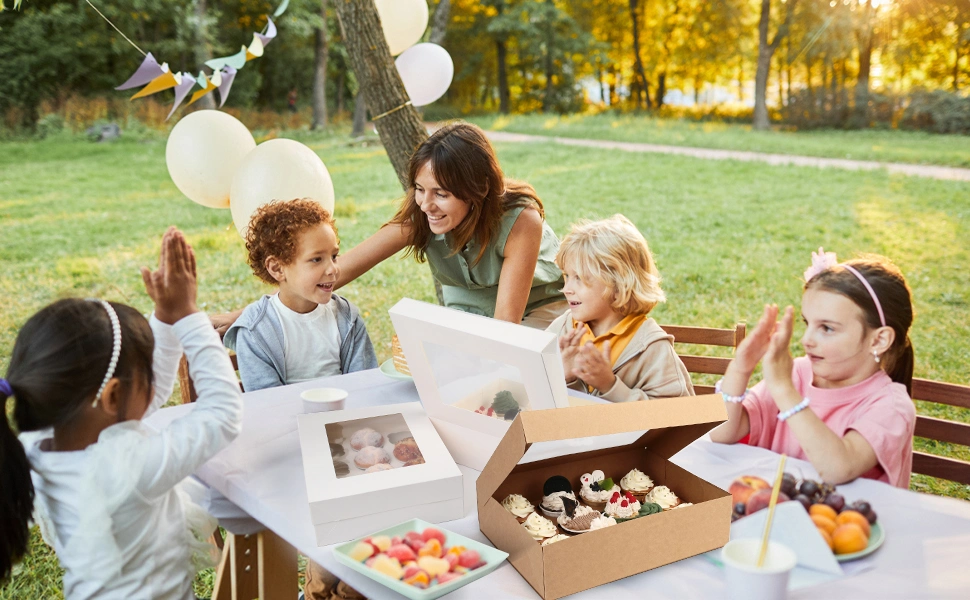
(77, 219)
(870, 144)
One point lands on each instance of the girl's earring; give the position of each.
(875, 355)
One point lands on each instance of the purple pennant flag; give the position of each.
(149, 70)
(181, 91)
(228, 74)
(267, 37)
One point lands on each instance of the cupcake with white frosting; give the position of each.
(622, 506)
(556, 538)
(601, 522)
(539, 527)
(519, 506)
(597, 489)
(664, 497)
(554, 490)
(637, 483)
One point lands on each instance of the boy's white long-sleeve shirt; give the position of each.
(113, 511)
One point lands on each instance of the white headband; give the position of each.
(115, 348)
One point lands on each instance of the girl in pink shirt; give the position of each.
(845, 406)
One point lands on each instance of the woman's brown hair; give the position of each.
(894, 295)
(464, 163)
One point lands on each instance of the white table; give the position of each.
(926, 553)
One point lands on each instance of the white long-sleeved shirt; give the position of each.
(120, 525)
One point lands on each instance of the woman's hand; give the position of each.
(594, 367)
(569, 348)
(173, 287)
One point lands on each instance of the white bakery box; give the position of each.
(461, 363)
(351, 497)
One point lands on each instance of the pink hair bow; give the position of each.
(821, 260)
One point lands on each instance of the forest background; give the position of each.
(799, 63)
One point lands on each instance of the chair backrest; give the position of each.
(187, 389)
(942, 430)
(706, 336)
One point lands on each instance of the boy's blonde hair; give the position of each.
(614, 252)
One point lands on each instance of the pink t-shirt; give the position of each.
(878, 408)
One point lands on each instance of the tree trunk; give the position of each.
(341, 91)
(661, 90)
(398, 123)
(202, 50)
(548, 60)
(360, 116)
(956, 59)
(640, 75)
(439, 22)
(320, 54)
(504, 98)
(765, 51)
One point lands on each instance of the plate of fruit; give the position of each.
(418, 560)
(851, 530)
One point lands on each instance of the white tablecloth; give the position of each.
(926, 553)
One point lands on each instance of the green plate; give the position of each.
(388, 369)
(492, 557)
(876, 537)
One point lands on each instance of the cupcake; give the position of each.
(577, 517)
(554, 490)
(406, 449)
(637, 483)
(397, 353)
(556, 538)
(519, 506)
(504, 404)
(622, 507)
(601, 522)
(378, 467)
(336, 450)
(366, 437)
(684, 505)
(597, 489)
(417, 461)
(664, 497)
(539, 527)
(649, 508)
(370, 456)
(340, 468)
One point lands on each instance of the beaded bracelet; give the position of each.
(784, 416)
(728, 397)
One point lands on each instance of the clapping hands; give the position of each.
(586, 362)
(173, 287)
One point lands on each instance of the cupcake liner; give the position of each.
(600, 506)
(640, 496)
(675, 505)
(552, 514)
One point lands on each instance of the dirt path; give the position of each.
(934, 172)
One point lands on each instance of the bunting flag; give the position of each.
(157, 77)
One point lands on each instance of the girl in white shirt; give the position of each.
(105, 488)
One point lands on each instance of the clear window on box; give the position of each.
(371, 445)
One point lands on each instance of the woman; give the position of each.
(484, 236)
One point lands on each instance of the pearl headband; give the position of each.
(822, 260)
(115, 348)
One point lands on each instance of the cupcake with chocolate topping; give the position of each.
(637, 483)
(663, 496)
(519, 506)
(576, 518)
(554, 490)
(539, 527)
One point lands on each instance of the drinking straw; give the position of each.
(771, 511)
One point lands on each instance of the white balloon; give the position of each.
(403, 22)
(202, 154)
(278, 170)
(426, 70)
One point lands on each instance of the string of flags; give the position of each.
(159, 77)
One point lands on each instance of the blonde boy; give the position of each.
(610, 346)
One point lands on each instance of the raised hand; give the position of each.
(755, 344)
(173, 287)
(594, 367)
(569, 348)
(777, 364)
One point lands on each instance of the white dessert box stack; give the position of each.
(346, 501)
(460, 362)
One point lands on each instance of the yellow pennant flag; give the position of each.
(163, 82)
(207, 84)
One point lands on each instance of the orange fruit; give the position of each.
(851, 516)
(849, 538)
(828, 538)
(823, 509)
(824, 523)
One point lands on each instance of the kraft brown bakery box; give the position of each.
(591, 559)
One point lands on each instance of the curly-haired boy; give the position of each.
(304, 331)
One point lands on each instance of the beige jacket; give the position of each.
(647, 368)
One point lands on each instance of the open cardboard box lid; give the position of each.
(670, 425)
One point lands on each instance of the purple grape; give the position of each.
(739, 508)
(836, 501)
(805, 500)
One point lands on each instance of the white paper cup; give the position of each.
(745, 581)
(323, 399)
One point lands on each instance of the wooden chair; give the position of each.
(942, 430)
(187, 389)
(707, 336)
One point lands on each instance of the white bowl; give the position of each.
(323, 399)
